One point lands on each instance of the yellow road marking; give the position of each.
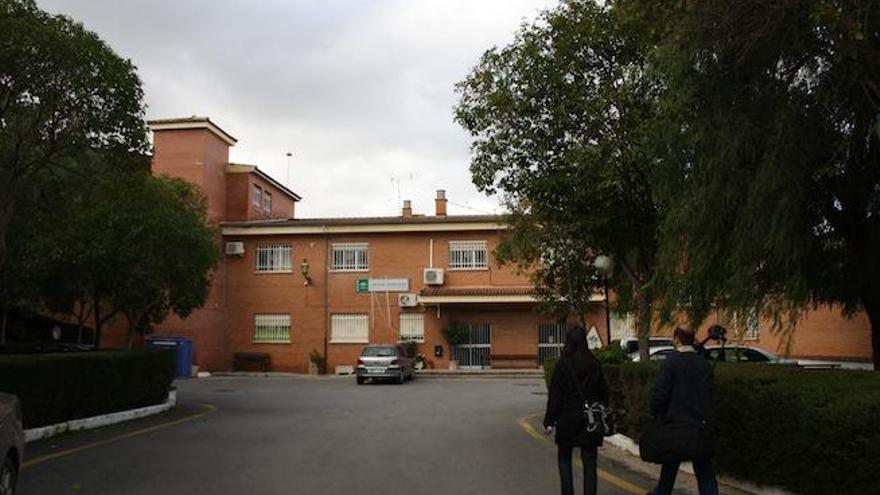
(604, 475)
(62, 453)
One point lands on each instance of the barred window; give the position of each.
(468, 254)
(412, 327)
(350, 257)
(272, 328)
(349, 329)
(273, 257)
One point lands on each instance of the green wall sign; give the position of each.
(362, 285)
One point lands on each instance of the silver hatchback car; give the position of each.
(11, 443)
(384, 362)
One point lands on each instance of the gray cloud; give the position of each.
(360, 91)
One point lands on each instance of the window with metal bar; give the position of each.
(273, 258)
(468, 255)
(350, 257)
(412, 327)
(272, 328)
(349, 329)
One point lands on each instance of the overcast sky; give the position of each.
(361, 91)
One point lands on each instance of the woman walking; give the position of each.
(577, 377)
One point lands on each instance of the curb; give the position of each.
(34, 434)
(625, 443)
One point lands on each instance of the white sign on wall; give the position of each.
(389, 285)
(593, 340)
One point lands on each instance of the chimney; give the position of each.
(440, 203)
(407, 209)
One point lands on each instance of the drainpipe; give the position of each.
(326, 300)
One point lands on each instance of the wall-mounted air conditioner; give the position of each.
(235, 248)
(433, 276)
(407, 300)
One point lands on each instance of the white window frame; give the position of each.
(256, 196)
(412, 327)
(340, 261)
(468, 255)
(272, 328)
(267, 201)
(349, 328)
(270, 258)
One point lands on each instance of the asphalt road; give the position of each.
(317, 436)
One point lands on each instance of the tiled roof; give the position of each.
(397, 220)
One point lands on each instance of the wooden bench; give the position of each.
(514, 361)
(246, 361)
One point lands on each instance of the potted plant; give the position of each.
(420, 362)
(456, 334)
(316, 362)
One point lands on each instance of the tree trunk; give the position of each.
(643, 325)
(96, 303)
(3, 325)
(873, 310)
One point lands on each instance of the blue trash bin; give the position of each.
(183, 352)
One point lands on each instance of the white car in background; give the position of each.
(630, 345)
(733, 353)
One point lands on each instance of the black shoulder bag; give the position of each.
(664, 441)
(598, 416)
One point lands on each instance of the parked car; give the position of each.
(384, 362)
(11, 443)
(655, 353)
(735, 353)
(631, 345)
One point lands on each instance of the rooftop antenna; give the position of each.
(289, 154)
(396, 181)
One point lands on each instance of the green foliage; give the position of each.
(772, 119)
(613, 354)
(559, 124)
(411, 347)
(777, 425)
(456, 333)
(60, 387)
(64, 92)
(316, 358)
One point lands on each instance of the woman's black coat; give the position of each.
(565, 403)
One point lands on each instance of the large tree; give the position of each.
(559, 120)
(777, 106)
(129, 245)
(63, 91)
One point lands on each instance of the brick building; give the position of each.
(289, 286)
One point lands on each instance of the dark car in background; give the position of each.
(11, 443)
(384, 362)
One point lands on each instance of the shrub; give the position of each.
(316, 358)
(60, 387)
(456, 333)
(811, 432)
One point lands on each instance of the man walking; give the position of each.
(683, 394)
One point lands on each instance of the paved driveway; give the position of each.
(315, 436)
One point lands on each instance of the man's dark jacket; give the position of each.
(683, 390)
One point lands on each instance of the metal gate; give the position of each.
(475, 354)
(551, 339)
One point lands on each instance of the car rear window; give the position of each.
(379, 351)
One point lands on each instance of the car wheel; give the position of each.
(360, 380)
(8, 477)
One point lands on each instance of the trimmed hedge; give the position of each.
(809, 431)
(60, 387)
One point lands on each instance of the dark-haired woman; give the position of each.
(577, 376)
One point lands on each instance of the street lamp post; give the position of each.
(605, 267)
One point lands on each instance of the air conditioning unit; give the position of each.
(407, 300)
(433, 276)
(235, 248)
